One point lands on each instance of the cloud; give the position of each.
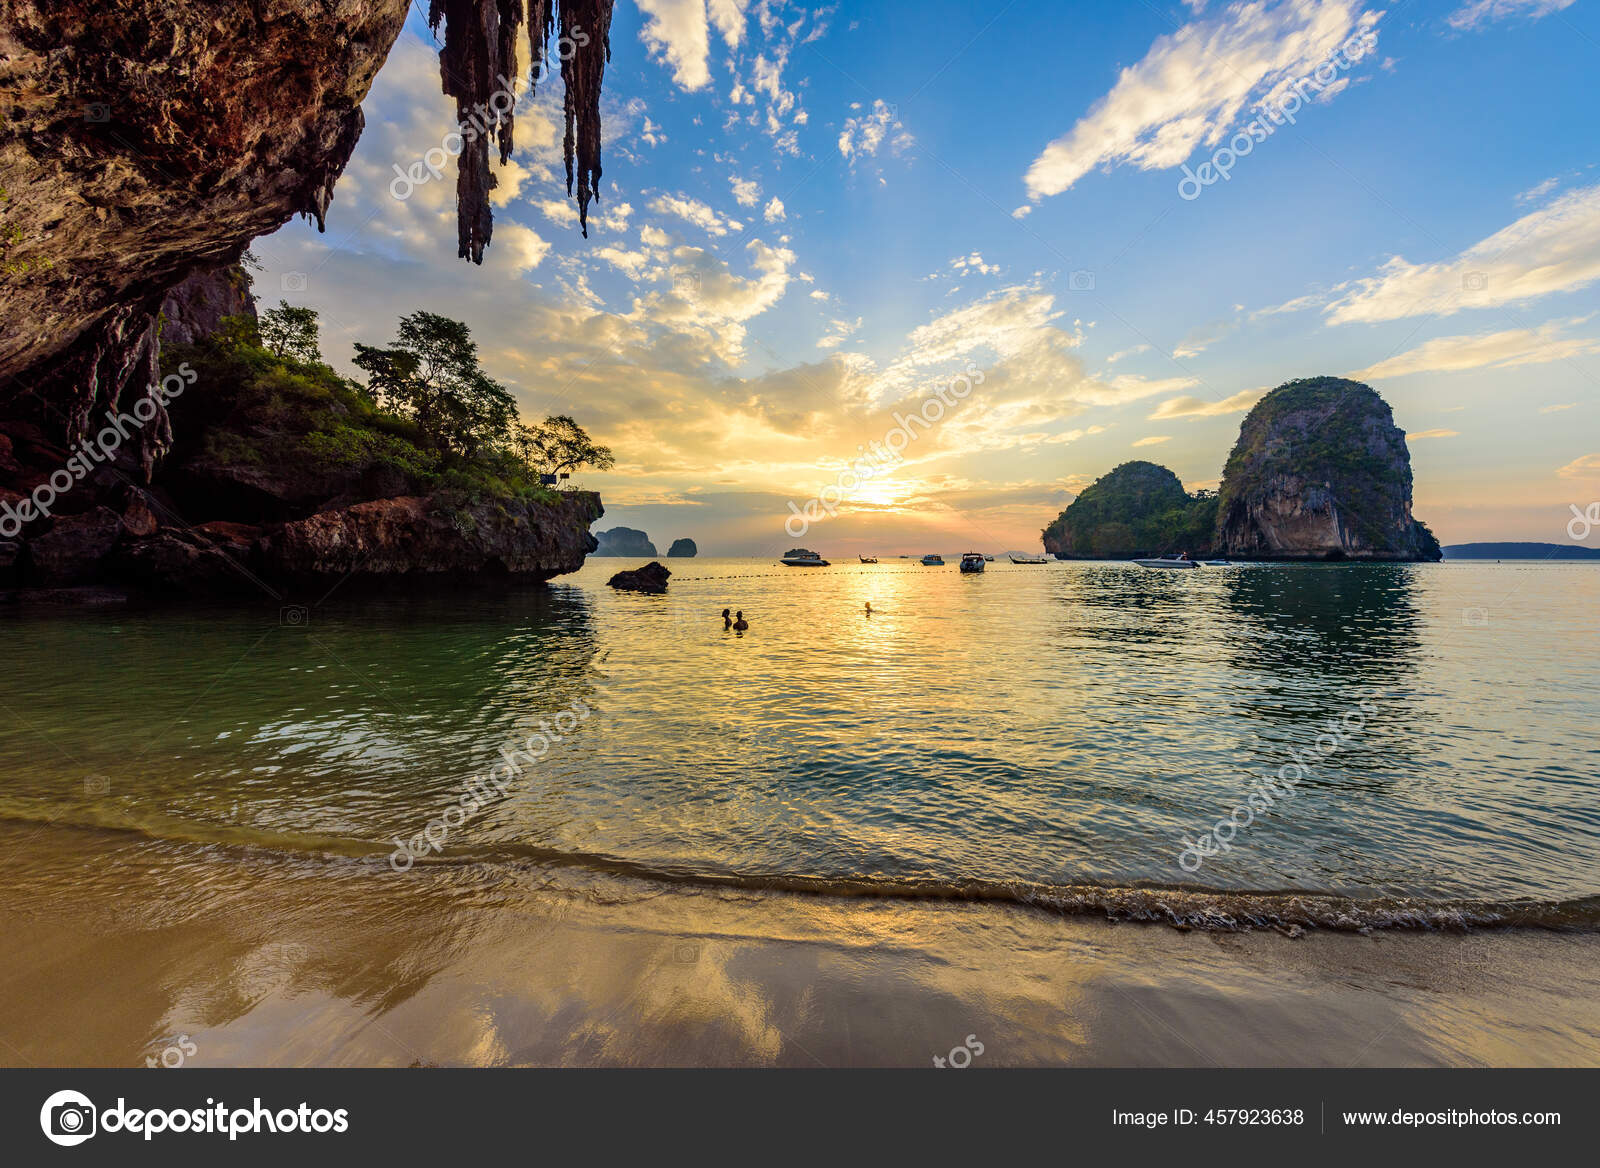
(728, 16)
(1557, 409)
(675, 32)
(1537, 192)
(745, 192)
(1481, 12)
(839, 332)
(1501, 350)
(1154, 440)
(1433, 434)
(773, 212)
(1586, 467)
(694, 211)
(863, 135)
(1192, 85)
(1554, 249)
(1194, 407)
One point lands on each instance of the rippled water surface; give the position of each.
(1052, 729)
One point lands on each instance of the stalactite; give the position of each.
(479, 62)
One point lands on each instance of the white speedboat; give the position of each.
(1025, 559)
(972, 562)
(933, 561)
(1168, 562)
(802, 558)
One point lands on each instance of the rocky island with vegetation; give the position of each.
(275, 471)
(1320, 472)
(1139, 509)
(625, 541)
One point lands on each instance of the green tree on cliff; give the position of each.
(430, 374)
(559, 445)
(291, 333)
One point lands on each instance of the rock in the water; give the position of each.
(1321, 472)
(682, 548)
(625, 541)
(1139, 509)
(650, 578)
(413, 536)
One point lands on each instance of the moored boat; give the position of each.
(1169, 562)
(972, 562)
(1026, 559)
(933, 560)
(803, 558)
(869, 559)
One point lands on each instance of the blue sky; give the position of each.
(814, 217)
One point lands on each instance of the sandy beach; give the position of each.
(330, 962)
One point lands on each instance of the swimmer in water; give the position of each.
(727, 621)
(740, 624)
(869, 608)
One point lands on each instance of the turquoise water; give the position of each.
(1052, 734)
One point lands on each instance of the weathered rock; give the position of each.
(650, 578)
(179, 562)
(138, 517)
(684, 548)
(1321, 472)
(72, 550)
(147, 139)
(194, 309)
(414, 536)
(10, 555)
(625, 541)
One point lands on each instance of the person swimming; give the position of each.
(727, 621)
(869, 608)
(740, 624)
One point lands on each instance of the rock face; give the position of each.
(145, 140)
(1320, 472)
(650, 578)
(625, 541)
(1140, 508)
(195, 308)
(403, 540)
(418, 537)
(683, 548)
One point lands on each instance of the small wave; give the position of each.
(1289, 911)
(1185, 907)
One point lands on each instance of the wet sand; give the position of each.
(119, 948)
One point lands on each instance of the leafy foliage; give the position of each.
(431, 375)
(1138, 509)
(291, 333)
(429, 422)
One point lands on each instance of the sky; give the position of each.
(1063, 236)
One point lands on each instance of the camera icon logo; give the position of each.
(1474, 616)
(68, 1118)
(686, 284)
(292, 282)
(1081, 281)
(293, 614)
(97, 111)
(1474, 282)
